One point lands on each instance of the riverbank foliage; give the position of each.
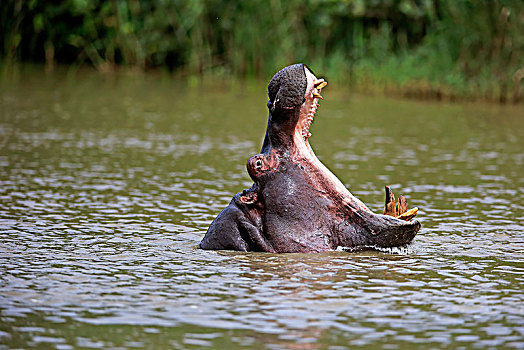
(424, 48)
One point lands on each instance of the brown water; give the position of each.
(108, 184)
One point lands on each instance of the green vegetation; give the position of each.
(425, 48)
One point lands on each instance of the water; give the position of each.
(108, 184)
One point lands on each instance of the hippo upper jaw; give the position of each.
(294, 93)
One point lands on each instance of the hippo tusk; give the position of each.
(410, 214)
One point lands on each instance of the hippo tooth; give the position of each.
(410, 214)
(317, 95)
(320, 83)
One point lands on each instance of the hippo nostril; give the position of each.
(258, 163)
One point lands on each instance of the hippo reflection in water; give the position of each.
(296, 204)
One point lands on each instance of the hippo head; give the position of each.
(296, 204)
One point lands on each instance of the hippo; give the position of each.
(296, 204)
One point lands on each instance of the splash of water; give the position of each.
(400, 250)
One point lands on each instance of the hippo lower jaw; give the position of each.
(392, 229)
(296, 203)
(370, 230)
(240, 227)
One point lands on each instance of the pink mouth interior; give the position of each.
(309, 107)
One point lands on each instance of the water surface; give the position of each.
(107, 184)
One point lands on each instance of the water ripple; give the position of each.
(102, 206)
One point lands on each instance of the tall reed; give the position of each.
(467, 48)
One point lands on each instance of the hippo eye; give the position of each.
(258, 163)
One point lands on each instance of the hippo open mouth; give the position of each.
(296, 204)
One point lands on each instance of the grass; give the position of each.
(443, 49)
